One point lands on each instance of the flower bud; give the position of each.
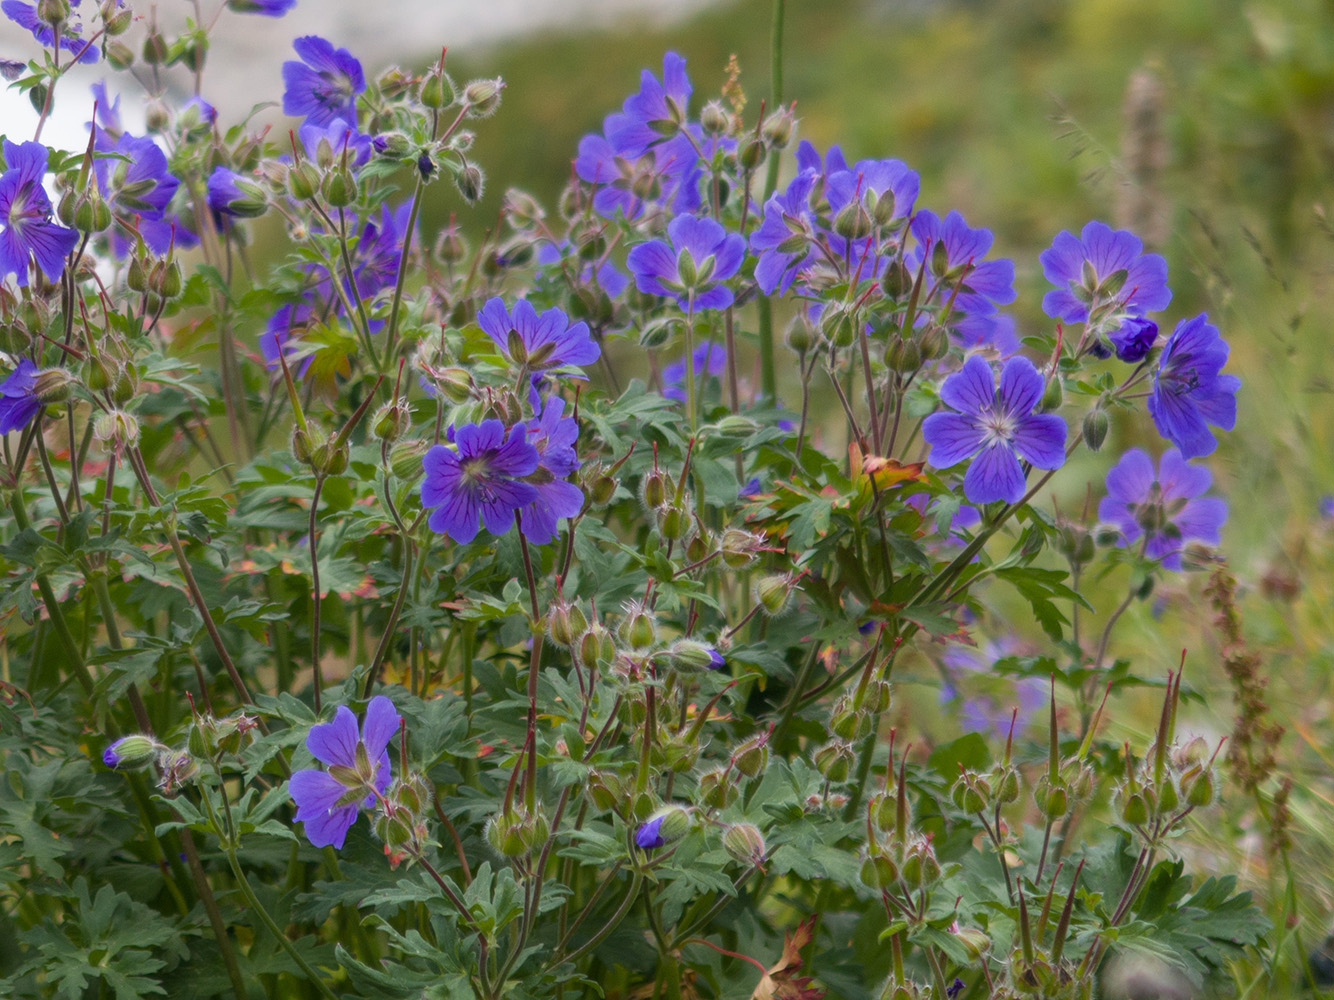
(339, 187)
(1135, 809)
(904, 356)
(329, 459)
(1006, 781)
(596, 646)
(1096, 424)
(115, 20)
(716, 789)
(505, 835)
(566, 623)
(689, 655)
(53, 12)
(52, 385)
(605, 790)
(752, 154)
(849, 723)
(653, 490)
(674, 521)
(751, 756)
(437, 90)
(664, 826)
(117, 428)
(1053, 395)
(739, 547)
(522, 209)
(852, 221)
(639, 630)
(405, 459)
(745, 843)
(714, 118)
(303, 180)
(155, 47)
(774, 592)
(119, 55)
(482, 97)
(599, 486)
(1052, 798)
(971, 792)
(777, 128)
(131, 751)
(877, 870)
(834, 760)
(470, 183)
(1199, 787)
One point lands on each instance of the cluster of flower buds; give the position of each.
(896, 858)
(1171, 780)
(1038, 969)
(401, 822)
(209, 739)
(516, 831)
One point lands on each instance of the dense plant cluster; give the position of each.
(515, 550)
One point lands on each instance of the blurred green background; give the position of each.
(1205, 125)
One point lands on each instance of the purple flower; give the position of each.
(269, 8)
(691, 270)
(708, 357)
(751, 488)
(231, 194)
(380, 249)
(649, 835)
(656, 113)
(328, 801)
(546, 341)
(785, 239)
(1327, 507)
(990, 700)
(998, 426)
(667, 175)
(107, 110)
(1189, 393)
(553, 436)
(884, 190)
(25, 211)
(278, 337)
(481, 477)
(19, 401)
(1106, 266)
(139, 186)
(716, 661)
(1167, 507)
(1134, 338)
(25, 16)
(339, 136)
(324, 85)
(956, 254)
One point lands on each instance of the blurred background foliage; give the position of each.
(1205, 125)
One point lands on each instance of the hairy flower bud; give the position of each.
(714, 119)
(1096, 425)
(470, 183)
(751, 756)
(131, 751)
(596, 646)
(565, 623)
(745, 843)
(482, 97)
(774, 592)
(834, 760)
(437, 90)
(717, 789)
